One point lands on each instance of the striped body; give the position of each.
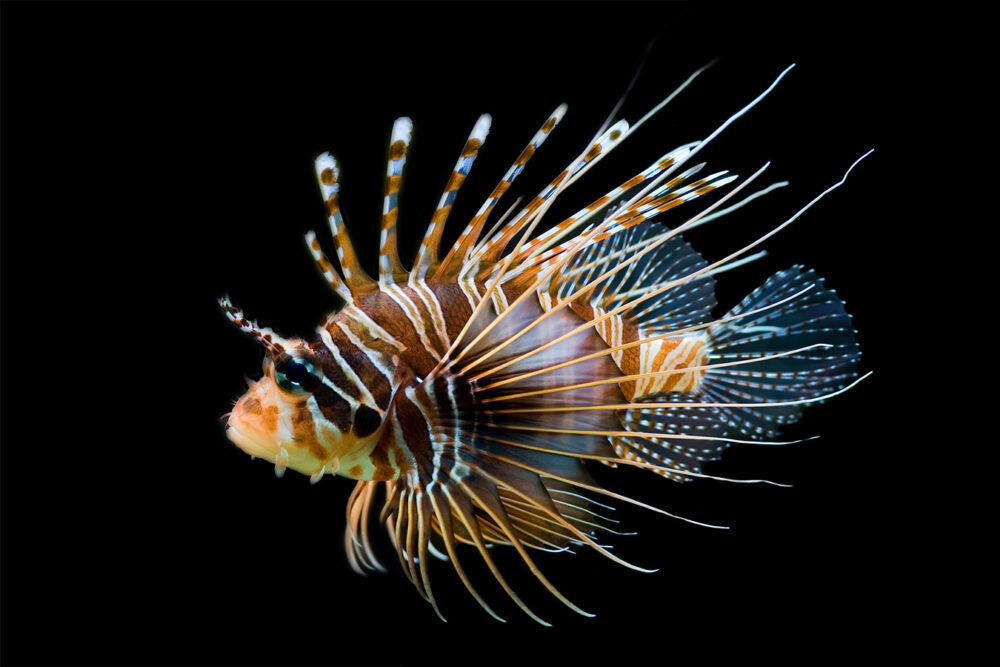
(474, 388)
(369, 348)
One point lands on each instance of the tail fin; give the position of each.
(818, 316)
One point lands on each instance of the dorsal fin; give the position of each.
(456, 257)
(427, 255)
(532, 254)
(390, 269)
(494, 248)
(326, 268)
(328, 174)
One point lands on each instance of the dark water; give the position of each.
(157, 156)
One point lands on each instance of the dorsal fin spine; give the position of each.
(427, 255)
(456, 257)
(390, 269)
(328, 175)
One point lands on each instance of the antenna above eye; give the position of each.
(272, 341)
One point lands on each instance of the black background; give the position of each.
(158, 156)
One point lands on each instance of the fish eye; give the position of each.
(296, 375)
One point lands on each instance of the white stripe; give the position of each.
(413, 315)
(366, 397)
(373, 355)
(320, 418)
(430, 301)
(471, 293)
(374, 329)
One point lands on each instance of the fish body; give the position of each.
(475, 387)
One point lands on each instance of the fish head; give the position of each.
(274, 420)
(284, 417)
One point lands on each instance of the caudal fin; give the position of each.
(816, 317)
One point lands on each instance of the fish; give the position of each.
(473, 391)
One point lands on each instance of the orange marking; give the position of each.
(471, 147)
(441, 214)
(599, 203)
(594, 151)
(315, 244)
(632, 182)
(663, 164)
(355, 471)
(392, 184)
(455, 182)
(304, 431)
(534, 203)
(559, 178)
(328, 177)
(389, 219)
(549, 124)
(669, 205)
(397, 150)
(500, 189)
(615, 134)
(525, 155)
(269, 419)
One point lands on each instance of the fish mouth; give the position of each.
(251, 440)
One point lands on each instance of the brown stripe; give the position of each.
(549, 124)
(599, 203)
(454, 306)
(398, 150)
(500, 189)
(392, 184)
(534, 203)
(525, 154)
(441, 214)
(367, 372)
(471, 147)
(304, 431)
(389, 219)
(632, 182)
(328, 177)
(455, 182)
(334, 408)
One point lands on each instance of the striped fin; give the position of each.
(326, 268)
(603, 256)
(390, 269)
(427, 255)
(492, 250)
(607, 202)
(817, 316)
(681, 459)
(328, 174)
(457, 256)
(641, 212)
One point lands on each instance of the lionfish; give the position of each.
(474, 387)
